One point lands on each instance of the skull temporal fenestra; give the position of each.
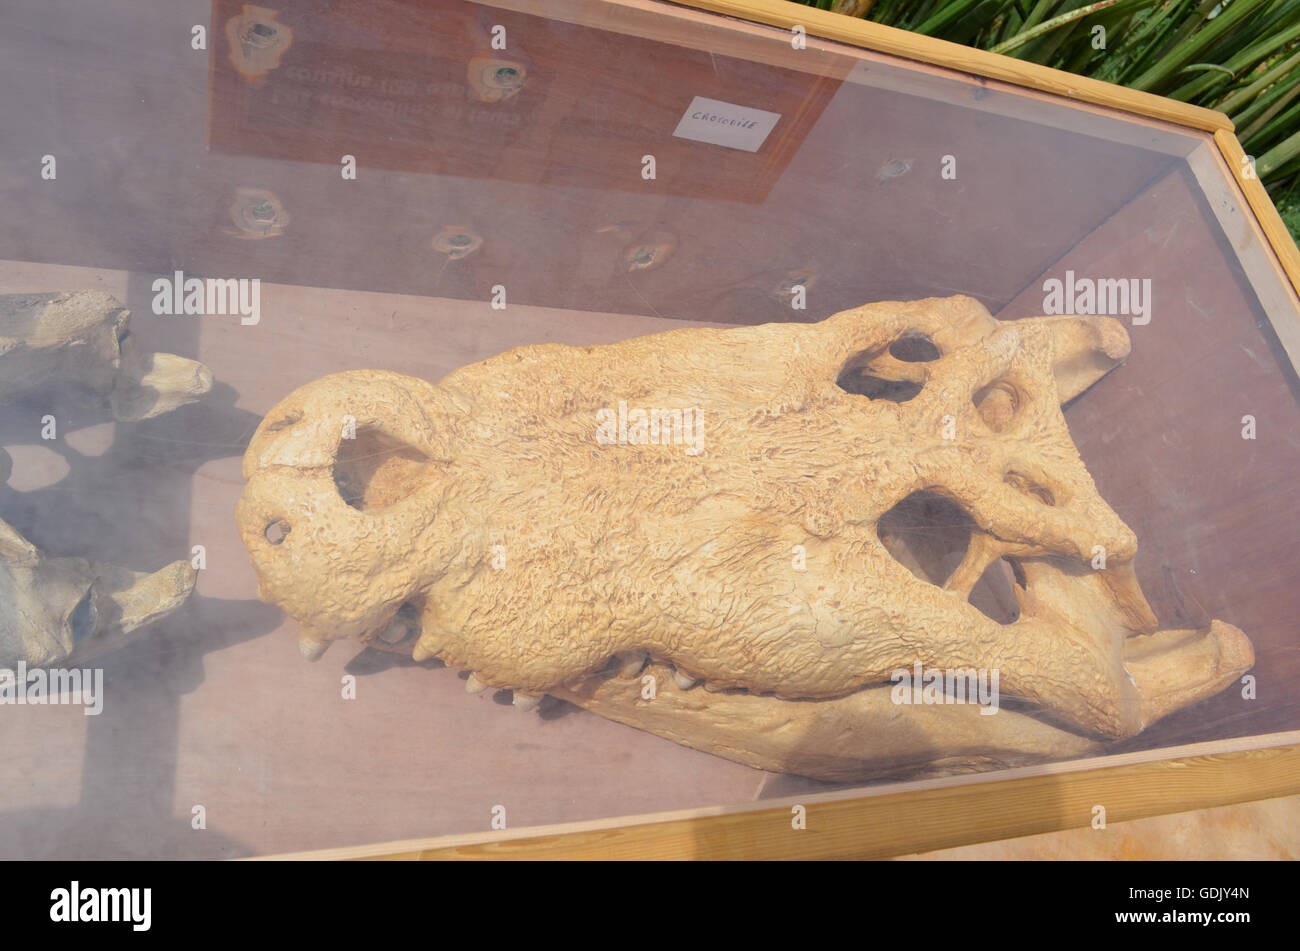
(481, 521)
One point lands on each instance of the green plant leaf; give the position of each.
(1196, 44)
(1020, 39)
(1241, 63)
(1202, 67)
(1234, 101)
(1275, 158)
(1260, 125)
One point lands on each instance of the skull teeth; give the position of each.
(684, 681)
(631, 664)
(527, 701)
(474, 685)
(397, 631)
(312, 649)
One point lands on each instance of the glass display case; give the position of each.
(890, 418)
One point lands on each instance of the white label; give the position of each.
(724, 123)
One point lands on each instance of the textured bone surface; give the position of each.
(82, 339)
(775, 564)
(68, 611)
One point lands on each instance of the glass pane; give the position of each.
(283, 193)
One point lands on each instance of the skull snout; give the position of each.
(333, 473)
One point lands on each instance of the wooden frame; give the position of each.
(936, 814)
(926, 49)
(897, 819)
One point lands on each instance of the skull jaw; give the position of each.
(869, 735)
(1135, 674)
(861, 737)
(1175, 668)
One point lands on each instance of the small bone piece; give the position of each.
(741, 503)
(68, 611)
(81, 339)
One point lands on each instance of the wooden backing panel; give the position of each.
(700, 30)
(392, 81)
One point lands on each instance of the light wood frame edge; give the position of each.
(927, 49)
(1261, 205)
(919, 821)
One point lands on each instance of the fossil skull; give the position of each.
(493, 521)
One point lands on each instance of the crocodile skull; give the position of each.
(721, 505)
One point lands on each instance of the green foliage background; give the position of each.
(1241, 57)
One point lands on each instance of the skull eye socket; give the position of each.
(374, 470)
(862, 383)
(860, 378)
(887, 375)
(276, 531)
(914, 348)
